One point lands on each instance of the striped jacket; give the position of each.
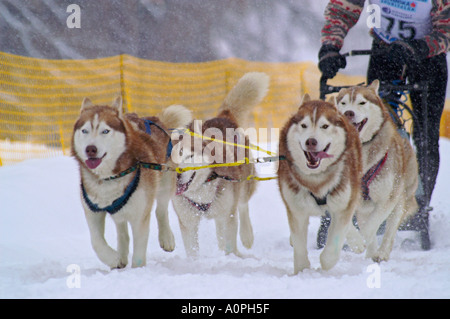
(341, 15)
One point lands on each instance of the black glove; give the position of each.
(330, 61)
(407, 52)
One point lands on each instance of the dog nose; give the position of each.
(311, 142)
(349, 114)
(91, 151)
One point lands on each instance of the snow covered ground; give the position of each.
(44, 240)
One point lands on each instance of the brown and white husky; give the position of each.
(390, 170)
(322, 172)
(110, 148)
(219, 192)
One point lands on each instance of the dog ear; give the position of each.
(86, 103)
(375, 85)
(117, 104)
(332, 100)
(305, 98)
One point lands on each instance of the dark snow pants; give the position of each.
(434, 71)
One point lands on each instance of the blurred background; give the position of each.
(170, 30)
(174, 30)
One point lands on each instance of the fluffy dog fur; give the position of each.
(392, 191)
(219, 192)
(322, 172)
(106, 142)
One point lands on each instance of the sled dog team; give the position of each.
(345, 158)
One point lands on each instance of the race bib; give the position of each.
(403, 19)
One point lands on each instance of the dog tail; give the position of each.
(247, 93)
(176, 116)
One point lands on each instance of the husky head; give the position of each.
(99, 136)
(193, 183)
(363, 108)
(316, 136)
(200, 151)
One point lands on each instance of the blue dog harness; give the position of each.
(119, 202)
(148, 130)
(129, 190)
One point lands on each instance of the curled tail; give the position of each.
(247, 93)
(176, 116)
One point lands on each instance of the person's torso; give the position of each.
(403, 19)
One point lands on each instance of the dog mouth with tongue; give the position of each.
(313, 159)
(182, 187)
(359, 126)
(94, 162)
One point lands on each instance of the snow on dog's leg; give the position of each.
(226, 219)
(392, 224)
(298, 224)
(220, 234)
(245, 227)
(336, 236)
(355, 240)
(245, 224)
(227, 229)
(96, 224)
(123, 241)
(166, 189)
(189, 225)
(370, 221)
(141, 228)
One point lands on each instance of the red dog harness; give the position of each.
(370, 176)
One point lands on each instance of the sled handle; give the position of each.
(328, 89)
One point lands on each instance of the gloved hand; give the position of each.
(407, 52)
(330, 61)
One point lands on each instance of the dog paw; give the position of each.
(328, 260)
(357, 247)
(355, 241)
(237, 253)
(247, 240)
(379, 257)
(299, 267)
(167, 240)
(120, 265)
(301, 262)
(114, 260)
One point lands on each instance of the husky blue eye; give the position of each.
(106, 131)
(84, 131)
